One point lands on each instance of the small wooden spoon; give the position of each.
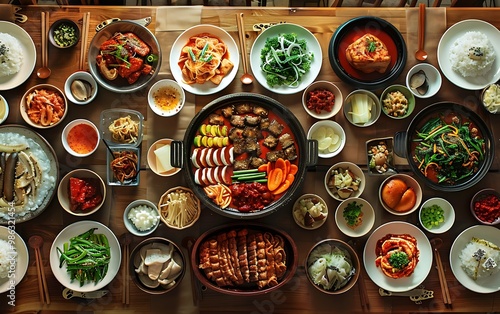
(421, 54)
(44, 72)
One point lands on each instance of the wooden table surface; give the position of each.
(298, 296)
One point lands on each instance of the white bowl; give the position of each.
(448, 213)
(76, 229)
(323, 85)
(433, 79)
(356, 172)
(131, 226)
(298, 216)
(367, 220)
(85, 77)
(174, 102)
(410, 182)
(63, 191)
(375, 109)
(94, 132)
(154, 163)
(4, 106)
(329, 125)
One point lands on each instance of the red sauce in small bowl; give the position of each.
(82, 138)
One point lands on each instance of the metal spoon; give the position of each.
(44, 71)
(421, 54)
(246, 78)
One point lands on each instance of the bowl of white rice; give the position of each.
(12, 248)
(11, 55)
(17, 55)
(468, 54)
(475, 258)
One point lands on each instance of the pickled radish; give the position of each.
(328, 140)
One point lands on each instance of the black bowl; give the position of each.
(352, 30)
(403, 143)
(63, 25)
(307, 154)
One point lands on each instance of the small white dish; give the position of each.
(166, 98)
(376, 109)
(90, 134)
(448, 214)
(319, 86)
(433, 78)
(87, 84)
(154, 162)
(300, 208)
(64, 195)
(4, 109)
(355, 173)
(151, 216)
(330, 136)
(367, 219)
(398, 198)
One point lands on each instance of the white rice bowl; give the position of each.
(47, 183)
(7, 254)
(467, 66)
(480, 259)
(11, 55)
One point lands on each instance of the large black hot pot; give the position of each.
(306, 150)
(404, 143)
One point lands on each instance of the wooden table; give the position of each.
(298, 296)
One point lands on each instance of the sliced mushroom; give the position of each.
(110, 74)
(345, 192)
(418, 82)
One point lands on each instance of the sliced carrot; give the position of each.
(288, 166)
(280, 163)
(290, 177)
(282, 188)
(269, 168)
(263, 168)
(293, 169)
(274, 179)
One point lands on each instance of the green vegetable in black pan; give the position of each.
(449, 149)
(86, 257)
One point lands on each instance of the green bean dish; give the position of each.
(449, 149)
(86, 257)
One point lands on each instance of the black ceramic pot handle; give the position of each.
(312, 153)
(400, 144)
(176, 154)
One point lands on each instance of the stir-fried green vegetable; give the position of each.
(448, 152)
(86, 256)
(285, 59)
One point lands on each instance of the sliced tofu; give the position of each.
(162, 154)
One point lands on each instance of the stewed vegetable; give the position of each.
(86, 257)
(449, 149)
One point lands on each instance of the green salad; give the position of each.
(285, 60)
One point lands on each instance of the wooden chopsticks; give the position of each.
(126, 276)
(36, 242)
(243, 45)
(83, 44)
(43, 21)
(363, 295)
(442, 278)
